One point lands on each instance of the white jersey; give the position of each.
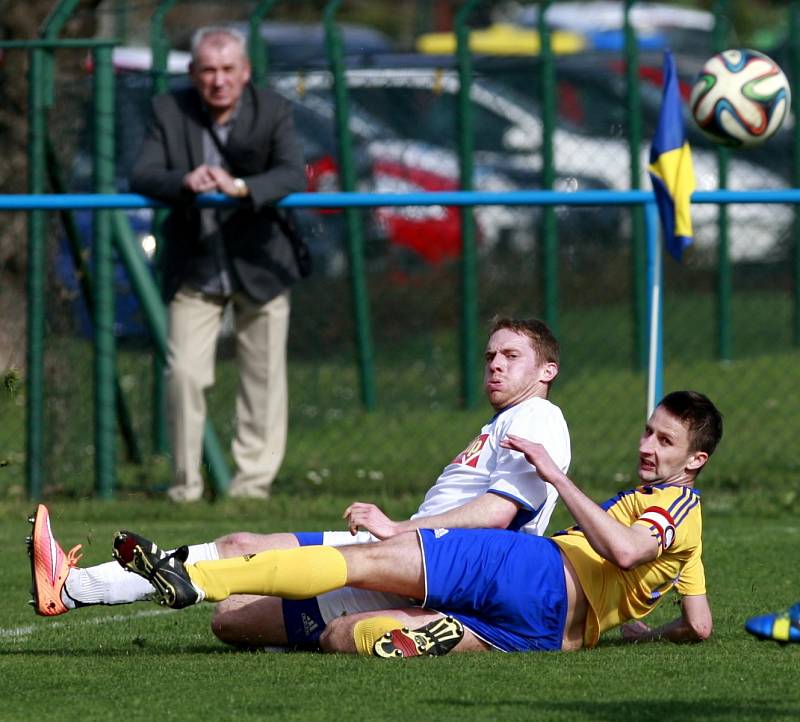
(484, 466)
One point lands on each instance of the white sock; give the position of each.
(109, 583)
(202, 553)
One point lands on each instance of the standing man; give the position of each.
(224, 135)
(485, 485)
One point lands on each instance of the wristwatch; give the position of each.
(240, 187)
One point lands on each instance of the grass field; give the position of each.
(139, 662)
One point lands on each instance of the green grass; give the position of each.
(138, 662)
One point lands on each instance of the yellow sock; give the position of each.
(367, 631)
(289, 573)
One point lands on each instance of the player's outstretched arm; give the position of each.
(694, 624)
(361, 515)
(625, 546)
(489, 511)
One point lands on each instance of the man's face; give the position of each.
(513, 372)
(219, 72)
(664, 455)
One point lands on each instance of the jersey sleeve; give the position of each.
(692, 580)
(673, 517)
(512, 475)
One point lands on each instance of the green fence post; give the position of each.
(355, 233)
(724, 282)
(469, 279)
(159, 49)
(57, 184)
(259, 52)
(549, 245)
(156, 315)
(34, 422)
(102, 267)
(51, 27)
(141, 279)
(40, 97)
(638, 256)
(794, 49)
(121, 20)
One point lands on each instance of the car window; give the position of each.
(423, 114)
(414, 113)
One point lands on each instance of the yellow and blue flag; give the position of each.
(671, 168)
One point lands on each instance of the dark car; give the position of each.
(418, 105)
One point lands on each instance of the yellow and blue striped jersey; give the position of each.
(672, 513)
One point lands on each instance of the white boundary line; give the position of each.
(27, 630)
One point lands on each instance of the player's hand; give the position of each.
(201, 180)
(360, 515)
(536, 455)
(635, 631)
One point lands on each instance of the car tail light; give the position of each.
(322, 176)
(434, 232)
(654, 76)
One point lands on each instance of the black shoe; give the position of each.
(166, 572)
(434, 639)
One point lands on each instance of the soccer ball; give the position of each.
(740, 98)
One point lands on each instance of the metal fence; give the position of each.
(418, 415)
(731, 321)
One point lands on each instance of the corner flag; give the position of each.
(671, 168)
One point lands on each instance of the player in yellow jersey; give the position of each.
(488, 589)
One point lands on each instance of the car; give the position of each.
(294, 45)
(591, 136)
(657, 25)
(419, 106)
(395, 153)
(501, 39)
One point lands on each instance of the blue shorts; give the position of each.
(301, 617)
(305, 619)
(508, 588)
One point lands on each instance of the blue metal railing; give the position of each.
(646, 199)
(44, 201)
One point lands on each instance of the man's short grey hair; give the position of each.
(222, 30)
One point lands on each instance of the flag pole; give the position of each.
(655, 358)
(672, 174)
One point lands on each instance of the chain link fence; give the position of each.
(404, 127)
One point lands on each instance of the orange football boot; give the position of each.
(49, 565)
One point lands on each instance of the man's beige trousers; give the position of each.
(261, 332)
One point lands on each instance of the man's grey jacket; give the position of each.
(262, 149)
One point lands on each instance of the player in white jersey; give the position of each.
(482, 467)
(485, 486)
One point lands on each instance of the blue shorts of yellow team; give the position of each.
(506, 587)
